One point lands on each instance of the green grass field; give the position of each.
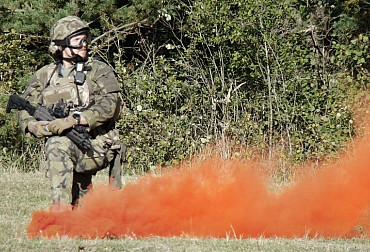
(23, 193)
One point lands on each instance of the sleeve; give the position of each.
(105, 100)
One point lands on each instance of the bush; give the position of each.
(17, 62)
(264, 82)
(273, 75)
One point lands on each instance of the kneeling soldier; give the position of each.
(86, 91)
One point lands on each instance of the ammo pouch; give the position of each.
(115, 167)
(67, 90)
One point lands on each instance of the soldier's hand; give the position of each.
(59, 125)
(38, 128)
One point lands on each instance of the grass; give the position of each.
(23, 193)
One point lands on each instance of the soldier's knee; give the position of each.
(57, 143)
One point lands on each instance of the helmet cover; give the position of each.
(65, 28)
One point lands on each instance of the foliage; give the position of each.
(163, 120)
(273, 75)
(32, 17)
(274, 88)
(16, 64)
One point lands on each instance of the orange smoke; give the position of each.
(222, 198)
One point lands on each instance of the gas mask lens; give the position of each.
(75, 40)
(80, 43)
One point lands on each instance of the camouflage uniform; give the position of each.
(98, 101)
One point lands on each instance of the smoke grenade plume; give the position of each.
(223, 198)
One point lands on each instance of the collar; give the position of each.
(60, 69)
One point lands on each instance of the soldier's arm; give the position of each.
(106, 98)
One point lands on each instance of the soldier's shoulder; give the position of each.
(47, 68)
(97, 63)
(100, 68)
(44, 72)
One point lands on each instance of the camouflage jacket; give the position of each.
(98, 98)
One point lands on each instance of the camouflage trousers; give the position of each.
(71, 170)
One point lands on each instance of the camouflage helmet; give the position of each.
(64, 29)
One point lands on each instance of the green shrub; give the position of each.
(264, 81)
(273, 75)
(17, 62)
(163, 120)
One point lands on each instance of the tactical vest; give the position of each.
(64, 89)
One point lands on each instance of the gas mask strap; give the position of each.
(57, 65)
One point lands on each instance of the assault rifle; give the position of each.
(41, 113)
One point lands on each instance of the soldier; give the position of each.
(87, 92)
